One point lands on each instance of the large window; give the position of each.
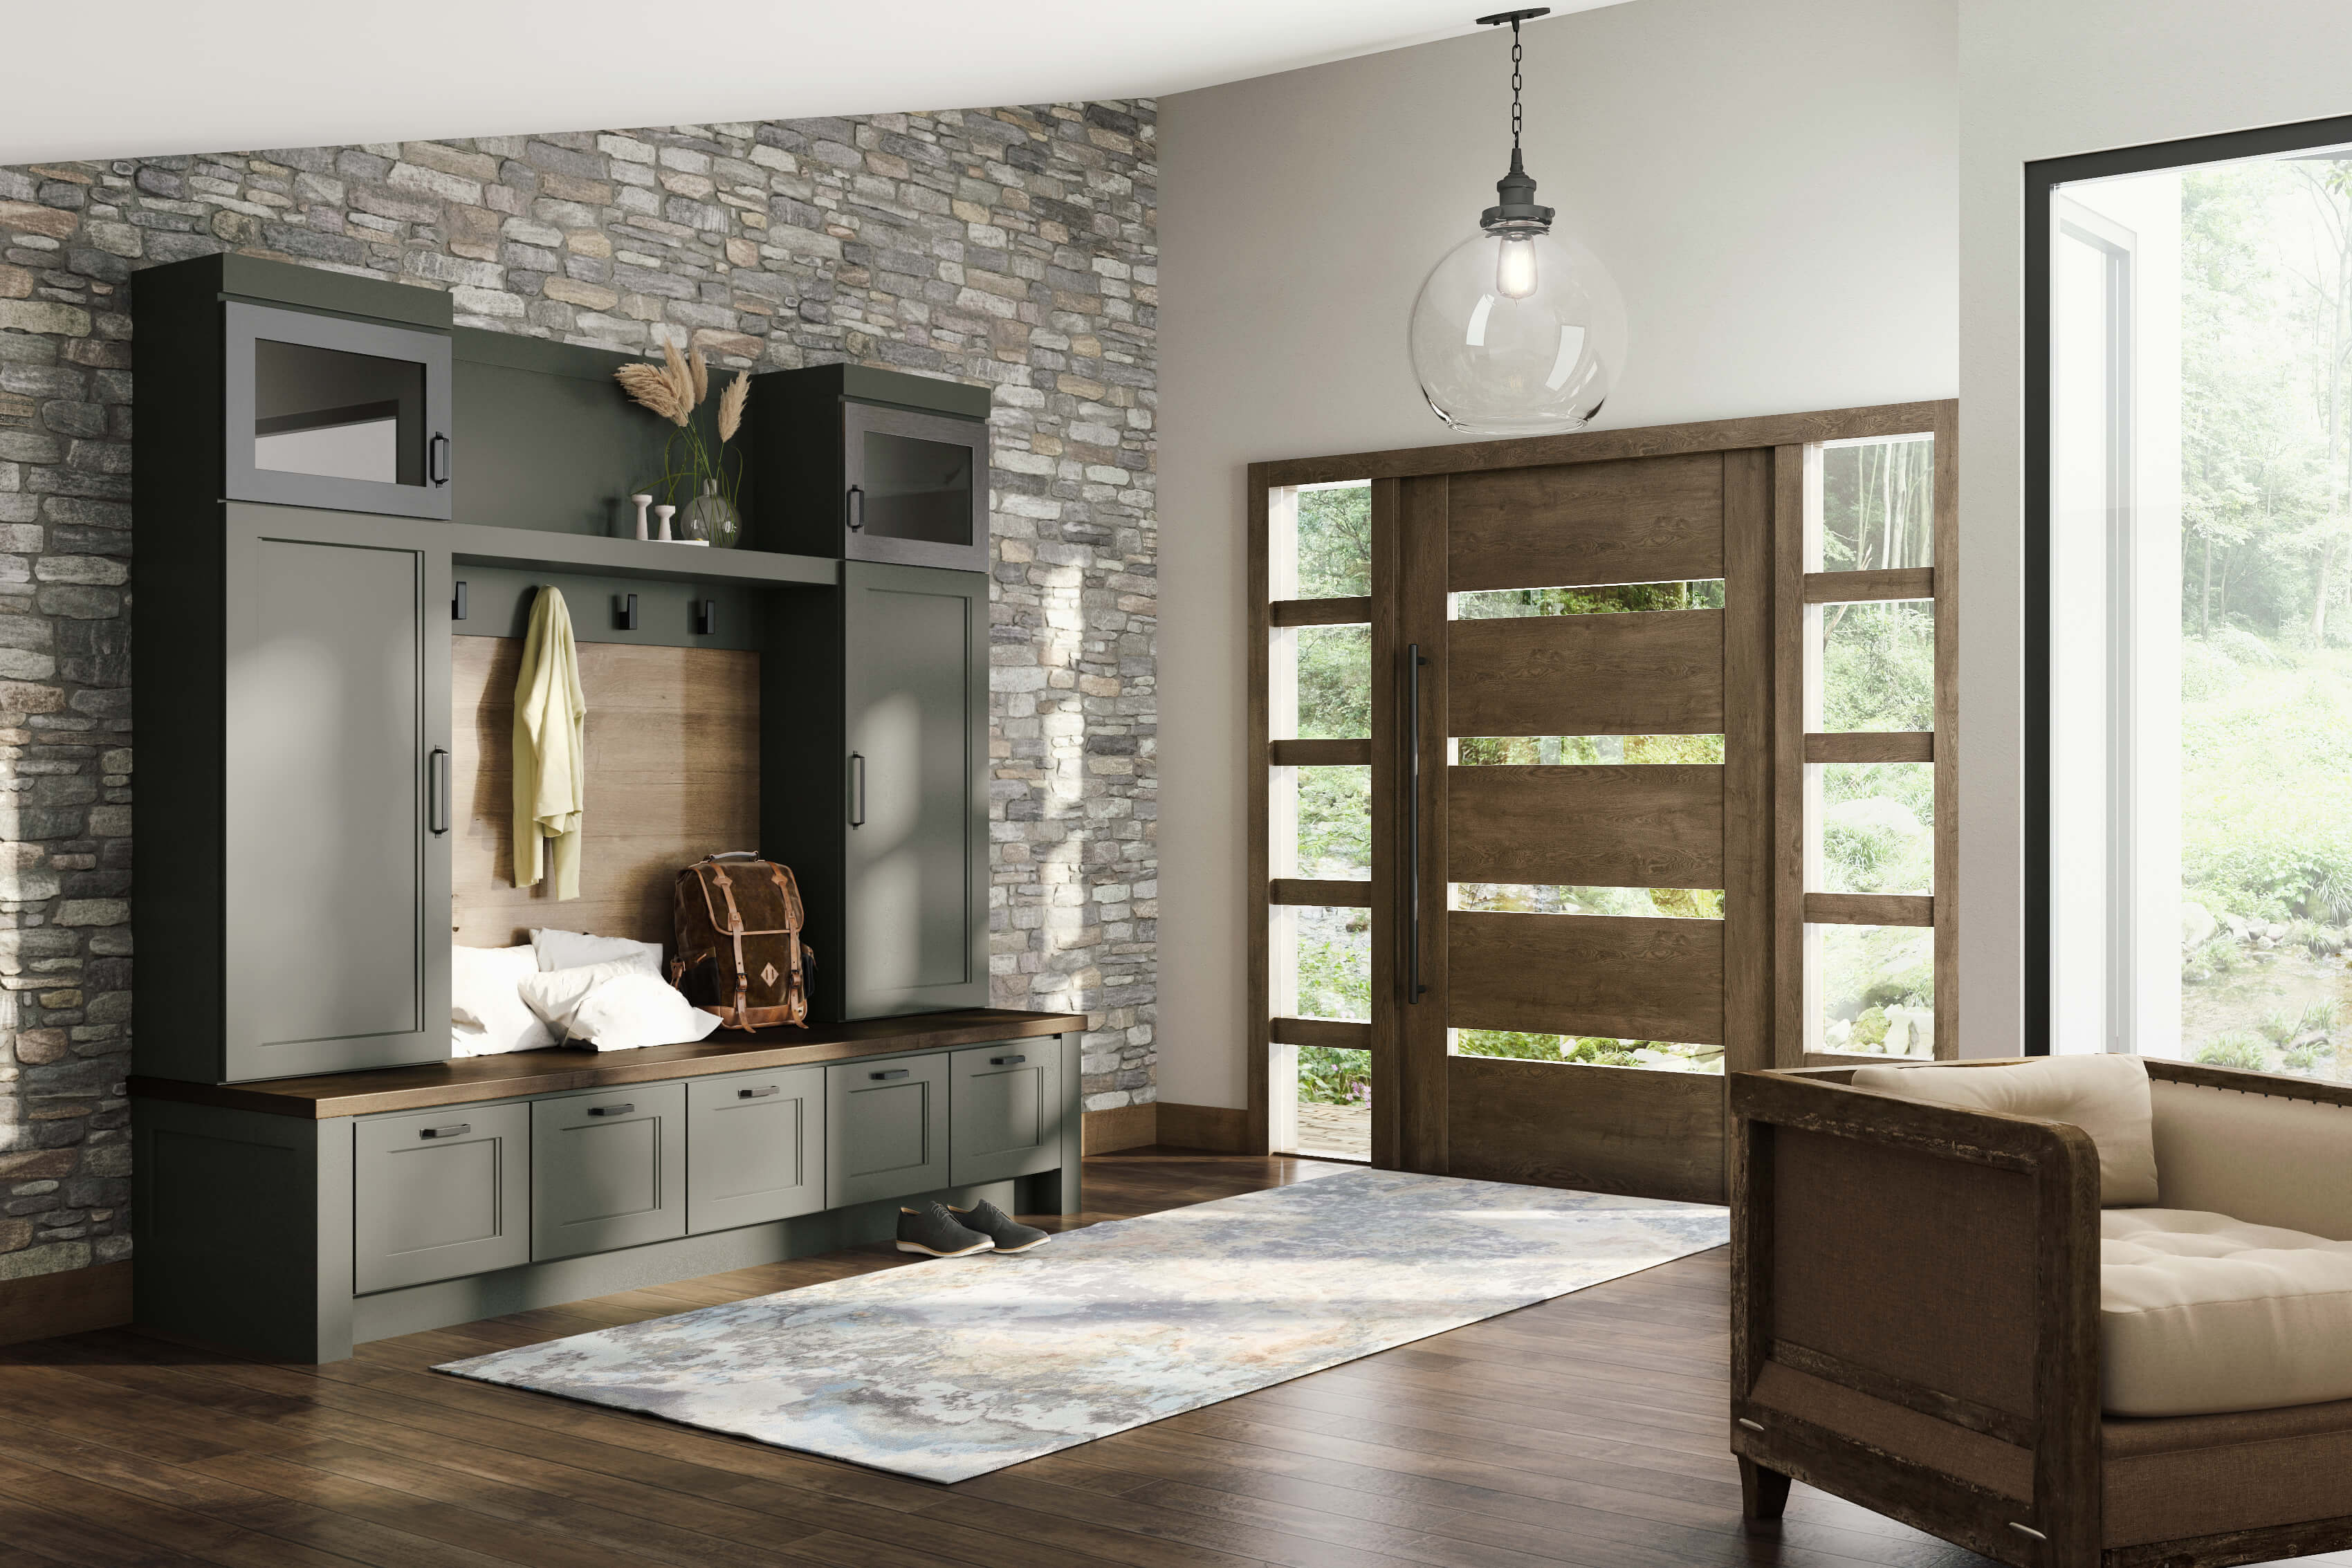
(2193, 491)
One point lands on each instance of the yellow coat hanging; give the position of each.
(550, 757)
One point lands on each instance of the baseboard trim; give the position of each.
(1219, 1129)
(1122, 1127)
(71, 1300)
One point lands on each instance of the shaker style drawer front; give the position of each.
(1006, 1111)
(754, 1147)
(608, 1169)
(885, 1128)
(440, 1193)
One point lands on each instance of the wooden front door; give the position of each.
(1590, 849)
(1570, 798)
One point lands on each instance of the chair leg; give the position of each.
(1762, 1494)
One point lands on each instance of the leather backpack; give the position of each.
(738, 924)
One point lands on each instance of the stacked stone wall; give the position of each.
(1015, 247)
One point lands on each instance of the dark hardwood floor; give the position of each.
(1588, 1430)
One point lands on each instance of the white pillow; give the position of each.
(615, 1006)
(578, 950)
(2107, 1096)
(487, 1015)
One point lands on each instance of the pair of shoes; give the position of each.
(945, 1232)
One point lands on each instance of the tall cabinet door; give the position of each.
(915, 669)
(335, 812)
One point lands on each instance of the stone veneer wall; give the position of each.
(1013, 246)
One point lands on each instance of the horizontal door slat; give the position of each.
(1334, 1034)
(1653, 519)
(1319, 753)
(1648, 673)
(1870, 909)
(1894, 745)
(1603, 1129)
(1648, 826)
(1859, 587)
(1318, 612)
(1326, 894)
(1625, 977)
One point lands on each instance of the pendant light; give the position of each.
(1516, 332)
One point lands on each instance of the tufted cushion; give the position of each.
(2200, 1312)
(2107, 1096)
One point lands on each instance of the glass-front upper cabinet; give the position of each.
(916, 488)
(324, 410)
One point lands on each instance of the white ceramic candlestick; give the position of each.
(663, 513)
(643, 502)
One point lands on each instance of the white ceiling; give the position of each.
(195, 76)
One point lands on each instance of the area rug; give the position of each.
(952, 1368)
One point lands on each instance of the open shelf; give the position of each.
(477, 545)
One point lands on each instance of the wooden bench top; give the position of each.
(467, 1080)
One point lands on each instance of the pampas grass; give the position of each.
(674, 390)
(730, 406)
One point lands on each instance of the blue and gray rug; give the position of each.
(951, 1369)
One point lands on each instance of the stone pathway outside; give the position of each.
(1336, 1132)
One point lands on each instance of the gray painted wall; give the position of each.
(1015, 247)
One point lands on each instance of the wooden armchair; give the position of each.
(1916, 1321)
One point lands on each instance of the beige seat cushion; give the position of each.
(2107, 1096)
(2200, 1314)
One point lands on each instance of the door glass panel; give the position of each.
(339, 414)
(1535, 898)
(1514, 603)
(1571, 750)
(1321, 546)
(1871, 826)
(1875, 666)
(1319, 684)
(1322, 823)
(1322, 962)
(1595, 1051)
(1877, 506)
(917, 489)
(1332, 1111)
(1872, 989)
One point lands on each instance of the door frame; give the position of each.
(1776, 448)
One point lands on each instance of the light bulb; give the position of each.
(1515, 268)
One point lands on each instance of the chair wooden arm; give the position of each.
(1922, 1283)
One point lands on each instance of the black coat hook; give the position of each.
(457, 602)
(706, 616)
(624, 615)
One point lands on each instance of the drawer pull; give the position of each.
(1006, 1061)
(894, 1072)
(455, 1130)
(610, 1110)
(755, 1093)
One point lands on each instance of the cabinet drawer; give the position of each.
(885, 1128)
(607, 1169)
(439, 1194)
(754, 1147)
(1006, 1111)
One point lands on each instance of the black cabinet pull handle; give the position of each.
(855, 508)
(622, 1110)
(436, 810)
(894, 1072)
(857, 790)
(755, 1093)
(437, 458)
(1006, 1061)
(456, 1131)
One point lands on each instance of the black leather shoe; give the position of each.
(932, 1229)
(1008, 1234)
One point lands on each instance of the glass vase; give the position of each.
(711, 519)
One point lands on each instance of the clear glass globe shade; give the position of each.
(1517, 332)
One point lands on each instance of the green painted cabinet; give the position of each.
(607, 1169)
(754, 1147)
(439, 1194)
(885, 1128)
(874, 785)
(1004, 1111)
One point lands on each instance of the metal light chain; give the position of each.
(1515, 84)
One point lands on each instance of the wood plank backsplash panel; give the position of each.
(673, 775)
